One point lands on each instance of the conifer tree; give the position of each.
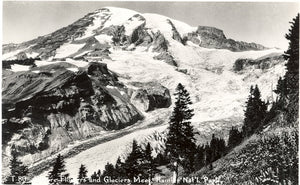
(149, 165)
(82, 176)
(292, 74)
(208, 154)
(255, 112)
(109, 170)
(217, 147)
(119, 168)
(199, 158)
(133, 162)
(99, 173)
(281, 89)
(17, 169)
(180, 144)
(161, 159)
(292, 55)
(235, 137)
(57, 174)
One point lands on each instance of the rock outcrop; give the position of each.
(176, 36)
(160, 43)
(262, 63)
(47, 111)
(150, 96)
(140, 37)
(166, 57)
(214, 38)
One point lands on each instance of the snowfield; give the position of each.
(78, 63)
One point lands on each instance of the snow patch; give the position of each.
(104, 39)
(67, 49)
(36, 71)
(132, 24)
(74, 69)
(78, 63)
(18, 67)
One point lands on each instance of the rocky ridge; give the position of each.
(46, 110)
(96, 32)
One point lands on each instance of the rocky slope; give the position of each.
(116, 69)
(46, 110)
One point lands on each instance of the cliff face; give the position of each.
(210, 37)
(266, 62)
(46, 111)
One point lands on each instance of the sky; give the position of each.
(260, 22)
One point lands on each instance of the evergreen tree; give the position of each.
(281, 90)
(217, 147)
(292, 55)
(57, 174)
(17, 169)
(161, 159)
(180, 144)
(208, 154)
(255, 112)
(82, 176)
(119, 168)
(199, 158)
(288, 86)
(235, 137)
(292, 74)
(149, 165)
(133, 162)
(109, 170)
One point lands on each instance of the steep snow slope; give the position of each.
(215, 95)
(160, 22)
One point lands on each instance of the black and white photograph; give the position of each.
(150, 92)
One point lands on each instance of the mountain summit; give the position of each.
(117, 26)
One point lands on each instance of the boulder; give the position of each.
(21, 56)
(150, 96)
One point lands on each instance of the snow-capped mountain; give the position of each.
(108, 78)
